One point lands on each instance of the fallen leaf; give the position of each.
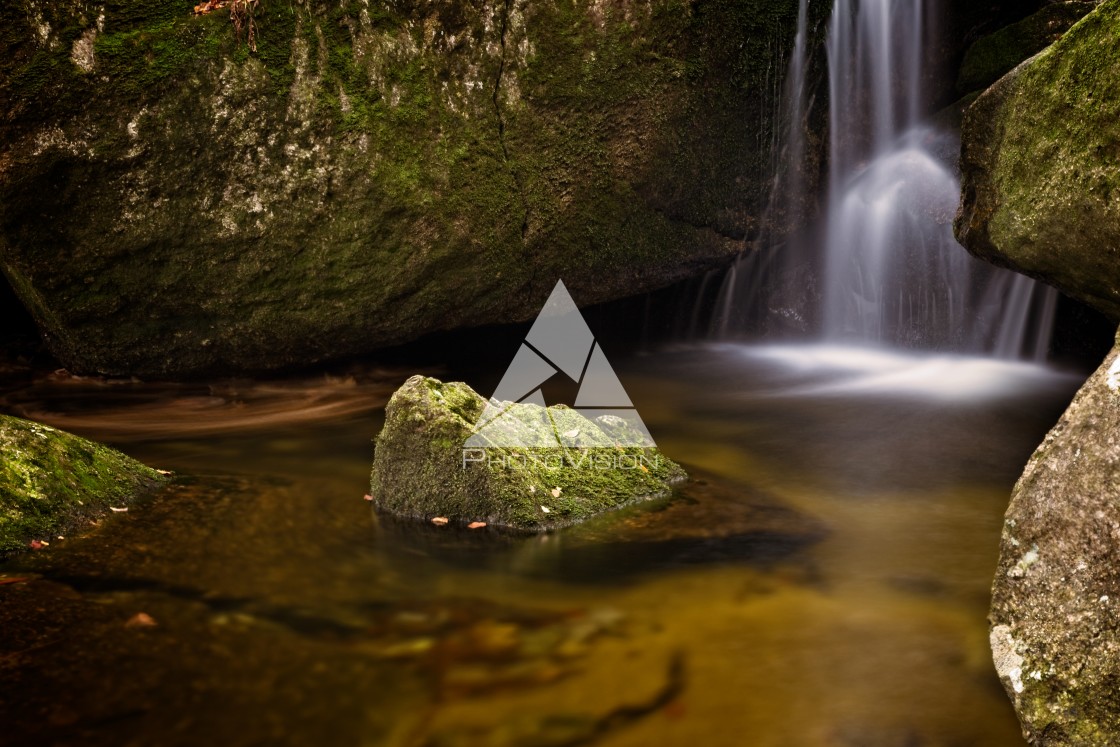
(476, 525)
(644, 469)
(368, 497)
(555, 492)
(118, 510)
(18, 580)
(546, 509)
(164, 471)
(36, 544)
(141, 620)
(572, 433)
(439, 521)
(532, 488)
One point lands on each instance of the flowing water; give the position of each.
(822, 580)
(885, 269)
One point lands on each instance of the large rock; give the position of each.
(423, 469)
(1056, 600)
(172, 202)
(52, 481)
(1041, 165)
(993, 56)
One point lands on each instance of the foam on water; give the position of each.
(838, 370)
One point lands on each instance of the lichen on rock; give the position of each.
(1055, 615)
(423, 467)
(50, 481)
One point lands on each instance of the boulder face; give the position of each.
(994, 55)
(424, 466)
(1040, 165)
(51, 480)
(1056, 599)
(347, 175)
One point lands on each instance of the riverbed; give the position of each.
(823, 579)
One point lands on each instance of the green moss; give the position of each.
(276, 28)
(992, 56)
(374, 172)
(50, 481)
(421, 470)
(141, 59)
(1041, 165)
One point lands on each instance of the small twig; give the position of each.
(242, 12)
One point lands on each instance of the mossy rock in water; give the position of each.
(993, 56)
(423, 469)
(1040, 165)
(50, 481)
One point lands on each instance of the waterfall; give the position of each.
(891, 272)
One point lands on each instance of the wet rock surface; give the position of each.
(1054, 616)
(993, 56)
(426, 465)
(174, 203)
(52, 482)
(1040, 165)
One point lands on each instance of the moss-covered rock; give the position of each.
(423, 469)
(50, 481)
(1040, 165)
(1056, 607)
(172, 202)
(993, 56)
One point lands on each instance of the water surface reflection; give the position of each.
(822, 581)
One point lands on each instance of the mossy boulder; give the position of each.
(423, 468)
(993, 56)
(52, 482)
(1056, 598)
(174, 203)
(1040, 165)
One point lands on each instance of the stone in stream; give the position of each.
(424, 468)
(1056, 599)
(51, 480)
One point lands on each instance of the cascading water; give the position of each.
(891, 272)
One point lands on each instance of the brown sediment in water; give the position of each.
(131, 410)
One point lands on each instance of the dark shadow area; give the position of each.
(21, 345)
(1082, 335)
(706, 521)
(17, 322)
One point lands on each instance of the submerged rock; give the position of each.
(1040, 165)
(174, 203)
(1056, 600)
(424, 468)
(51, 480)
